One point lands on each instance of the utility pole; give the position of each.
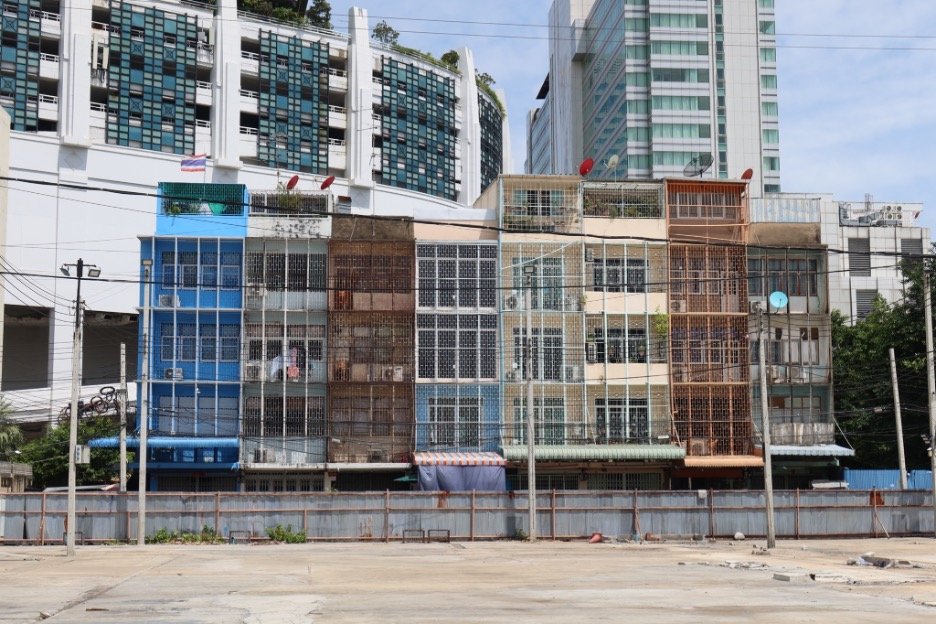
(122, 410)
(71, 514)
(930, 381)
(765, 427)
(901, 460)
(143, 406)
(530, 418)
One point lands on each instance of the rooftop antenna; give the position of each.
(586, 167)
(611, 165)
(697, 166)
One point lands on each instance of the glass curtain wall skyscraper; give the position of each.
(648, 88)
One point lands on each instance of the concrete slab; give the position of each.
(467, 581)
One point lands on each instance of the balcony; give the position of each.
(250, 63)
(48, 66)
(248, 142)
(337, 117)
(250, 101)
(203, 94)
(337, 80)
(337, 154)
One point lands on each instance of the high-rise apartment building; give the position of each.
(113, 95)
(648, 88)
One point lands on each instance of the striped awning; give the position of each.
(458, 459)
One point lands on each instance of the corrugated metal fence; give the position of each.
(886, 479)
(103, 517)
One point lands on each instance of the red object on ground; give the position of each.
(595, 538)
(327, 182)
(586, 166)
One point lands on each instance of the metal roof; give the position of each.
(815, 450)
(595, 452)
(725, 461)
(458, 459)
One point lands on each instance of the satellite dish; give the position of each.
(613, 161)
(778, 299)
(293, 181)
(748, 174)
(327, 182)
(586, 167)
(698, 165)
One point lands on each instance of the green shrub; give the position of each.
(162, 536)
(285, 535)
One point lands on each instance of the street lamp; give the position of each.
(93, 271)
(528, 271)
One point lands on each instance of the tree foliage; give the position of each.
(450, 58)
(49, 454)
(861, 369)
(319, 14)
(485, 79)
(385, 33)
(10, 435)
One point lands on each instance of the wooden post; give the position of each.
(711, 512)
(471, 519)
(386, 516)
(797, 514)
(42, 521)
(552, 512)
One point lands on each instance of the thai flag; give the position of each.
(194, 163)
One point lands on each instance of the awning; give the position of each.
(596, 452)
(815, 450)
(725, 461)
(458, 459)
(167, 442)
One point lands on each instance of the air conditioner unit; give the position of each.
(573, 373)
(253, 371)
(510, 302)
(698, 447)
(776, 373)
(589, 255)
(679, 306)
(799, 374)
(387, 373)
(511, 375)
(756, 306)
(169, 301)
(397, 373)
(173, 374)
(591, 352)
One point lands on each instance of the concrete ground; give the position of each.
(725, 581)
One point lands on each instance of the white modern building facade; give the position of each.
(107, 98)
(648, 87)
(866, 242)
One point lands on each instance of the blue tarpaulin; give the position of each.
(460, 472)
(167, 442)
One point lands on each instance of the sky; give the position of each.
(857, 84)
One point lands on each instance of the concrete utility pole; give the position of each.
(70, 519)
(765, 426)
(122, 411)
(143, 406)
(530, 418)
(901, 460)
(930, 381)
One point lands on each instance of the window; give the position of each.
(679, 48)
(681, 131)
(462, 276)
(620, 275)
(859, 257)
(208, 342)
(619, 345)
(678, 20)
(768, 81)
(455, 422)
(621, 420)
(864, 302)
(768, 55)
(911, 247)
(185, 342)
(548, 417)
(796, 277)
(547, 353)
(230, 270)
(230, 343)
(681, 102)
(770, 109)
(768, 27)
(167, 342)
(771, 163)
(547, 287)
(457, 346)
(771, 136)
